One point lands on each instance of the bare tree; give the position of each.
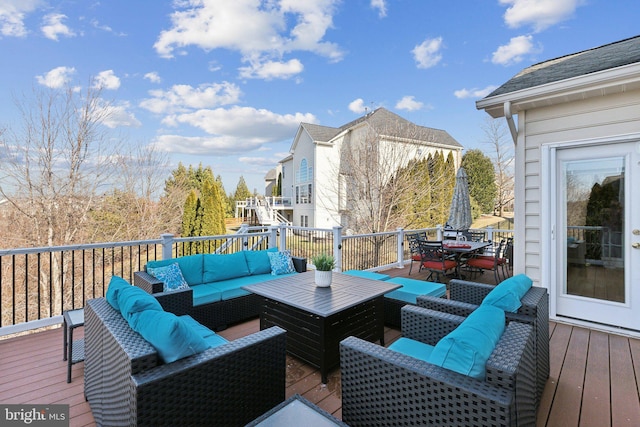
(501, 155)
(55, 164)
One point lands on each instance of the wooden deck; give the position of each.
(595, 377)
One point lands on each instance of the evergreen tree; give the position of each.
(190, 220)
(481, 178)
(242, 191)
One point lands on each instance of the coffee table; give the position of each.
(317, 319)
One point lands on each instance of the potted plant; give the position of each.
(324, 264)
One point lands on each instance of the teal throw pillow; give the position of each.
(171, 277)
(170, 335)
(258, 261)
(281, 263)
(190, 265)
(508, 293)
(115, 284)
(133, 300)
(468, 347)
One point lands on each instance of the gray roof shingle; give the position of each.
(589, 61)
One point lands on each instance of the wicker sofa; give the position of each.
(383, 387)
(215, 284)
(466, 296)
(127, 383)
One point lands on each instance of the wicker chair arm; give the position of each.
(228, 385)
(469, 292)
(176, 302)
(458, 308)
(427, 326)
(300, 264)
(144, 280)
(384, 387)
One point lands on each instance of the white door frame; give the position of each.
(548, 180)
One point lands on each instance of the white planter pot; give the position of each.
(323, 278)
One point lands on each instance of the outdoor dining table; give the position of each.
(462, 247)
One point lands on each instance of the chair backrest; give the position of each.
(475, 236)
(431, 250)
(413, 239)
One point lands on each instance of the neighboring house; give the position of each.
(313, 176)
(577, 163)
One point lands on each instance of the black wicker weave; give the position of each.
(466, 296)
(127, 384)
(381, 387)
(216, 315)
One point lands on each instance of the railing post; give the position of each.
(400, 231)
(273, 237)
(337, 247)
(439, 233)
(167, 243)
(490, 233)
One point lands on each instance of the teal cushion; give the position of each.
(411, 288)
(467, 348)
(211, 338)
(367, 274)
(172, 338)
(222, 267)
(258, 261)
(508, 294)
(281, 263)
(413, 348)
(191, 267)
(205, 294)
(115, 284)
(133, 300)
(171, 277)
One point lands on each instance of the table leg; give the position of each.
(69, 355)
(64, 342)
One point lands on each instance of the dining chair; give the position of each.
(435, 259)
(493, 262)
(414, 248)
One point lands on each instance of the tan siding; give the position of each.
(593, 118)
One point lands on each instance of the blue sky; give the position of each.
(226, 83)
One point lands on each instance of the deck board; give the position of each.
(594, 376)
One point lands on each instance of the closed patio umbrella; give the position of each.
(460, 210)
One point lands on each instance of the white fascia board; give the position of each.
(600, 83)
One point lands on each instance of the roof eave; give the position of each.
(606, 82)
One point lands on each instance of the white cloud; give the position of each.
(262, 161)
(106, 80)
(514, 51)
(57, 77)
(246, 123)
(119, 115)
(181, 98)
(153, 77)
(53, 26)
(262, 32)
(409, 103)
(381, 6)
(357, 106)
(427, 54)
(269, 70)
(540, 14)
(474, 93)
(12, 15)
(237, 130)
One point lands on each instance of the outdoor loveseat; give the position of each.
(385, 386)
(465, 297)
(169, 378)
(214, 295)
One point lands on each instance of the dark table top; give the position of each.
(463, 246)
(300, 291)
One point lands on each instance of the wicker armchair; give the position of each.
(465, 296)
(127, 384)
(381, 387)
